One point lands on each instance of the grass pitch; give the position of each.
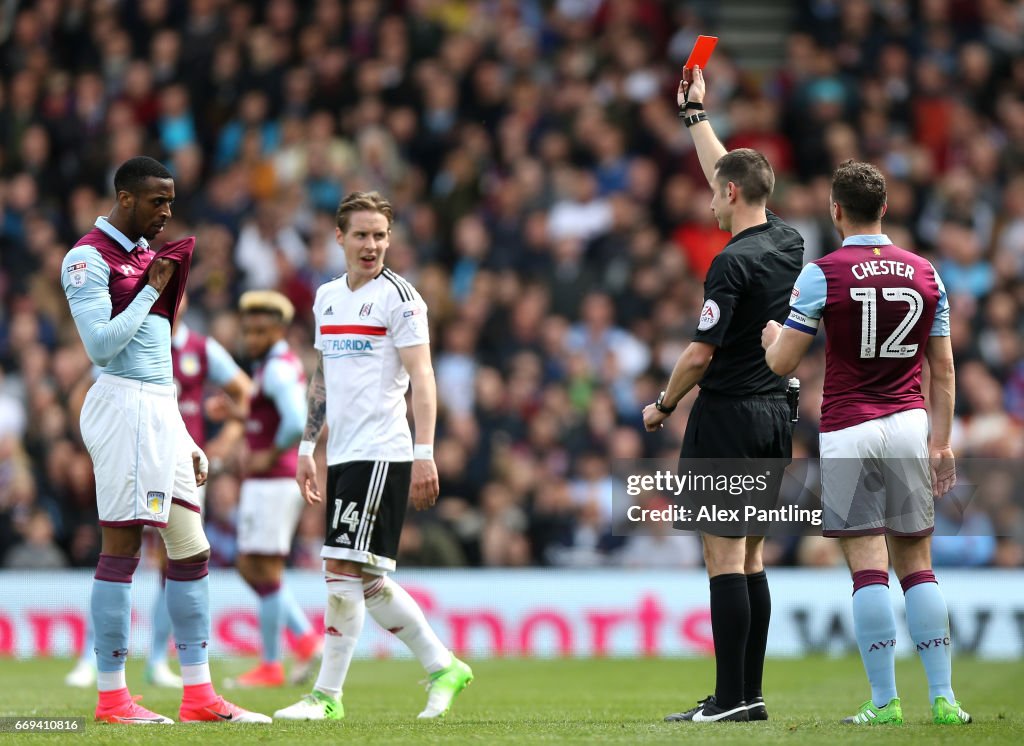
(554, 701)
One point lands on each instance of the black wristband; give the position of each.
(661, 407)
(688, 106)
(692, 119)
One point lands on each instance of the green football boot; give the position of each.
(443, 686)
(314, 706)
(868, 714)
(944, 713)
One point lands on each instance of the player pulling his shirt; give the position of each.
(147, 467)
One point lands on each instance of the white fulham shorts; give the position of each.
(268, 514)
(876, 477)
(141, 452)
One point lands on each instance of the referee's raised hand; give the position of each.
(691, 90)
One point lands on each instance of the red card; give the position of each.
(701, 53)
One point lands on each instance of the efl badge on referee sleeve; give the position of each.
(709, 315)
(155, 501)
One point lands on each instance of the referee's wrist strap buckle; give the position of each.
(693, 119)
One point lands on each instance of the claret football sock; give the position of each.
(395, 610)
(928, 621)
(343, 622)
(730, 626)
(760, 598)
(875, 628)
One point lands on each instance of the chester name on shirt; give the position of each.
(863, 270)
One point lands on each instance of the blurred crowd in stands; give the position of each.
(550, 209)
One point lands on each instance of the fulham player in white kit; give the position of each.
(373, 340)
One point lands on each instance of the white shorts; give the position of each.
(268, 514)
(200, 495)
(141, 452)
(876, 477)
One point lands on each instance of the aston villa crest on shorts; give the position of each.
(365, 310)
(155, 501)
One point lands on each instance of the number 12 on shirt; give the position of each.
(891, 347)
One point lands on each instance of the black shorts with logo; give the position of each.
(743, 438)
(366, 504)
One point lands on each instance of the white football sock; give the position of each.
(395, 610)
(343, 621)
(110, 681)
(196, 674)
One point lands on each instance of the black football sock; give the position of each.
(730, 626)
(760, 615)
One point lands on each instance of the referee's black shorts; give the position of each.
(738, 437)
(725, 427)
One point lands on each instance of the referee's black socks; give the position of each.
(760, 615)
(730, 627)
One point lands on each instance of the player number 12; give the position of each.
(891, 347)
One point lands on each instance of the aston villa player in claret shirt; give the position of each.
(884, 310)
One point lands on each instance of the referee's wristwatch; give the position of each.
(659, 404)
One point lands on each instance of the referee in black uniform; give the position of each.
(741, 411)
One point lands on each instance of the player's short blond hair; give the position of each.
(267, 301)
(363, 202)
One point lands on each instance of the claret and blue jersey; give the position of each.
(100, 274)
(879, 304)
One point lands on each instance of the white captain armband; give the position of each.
(802, 323)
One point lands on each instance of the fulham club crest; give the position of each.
(709, 315)
(365, 310)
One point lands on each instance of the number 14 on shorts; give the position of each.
(345, 513)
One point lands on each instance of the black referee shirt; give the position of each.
(748, 284)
